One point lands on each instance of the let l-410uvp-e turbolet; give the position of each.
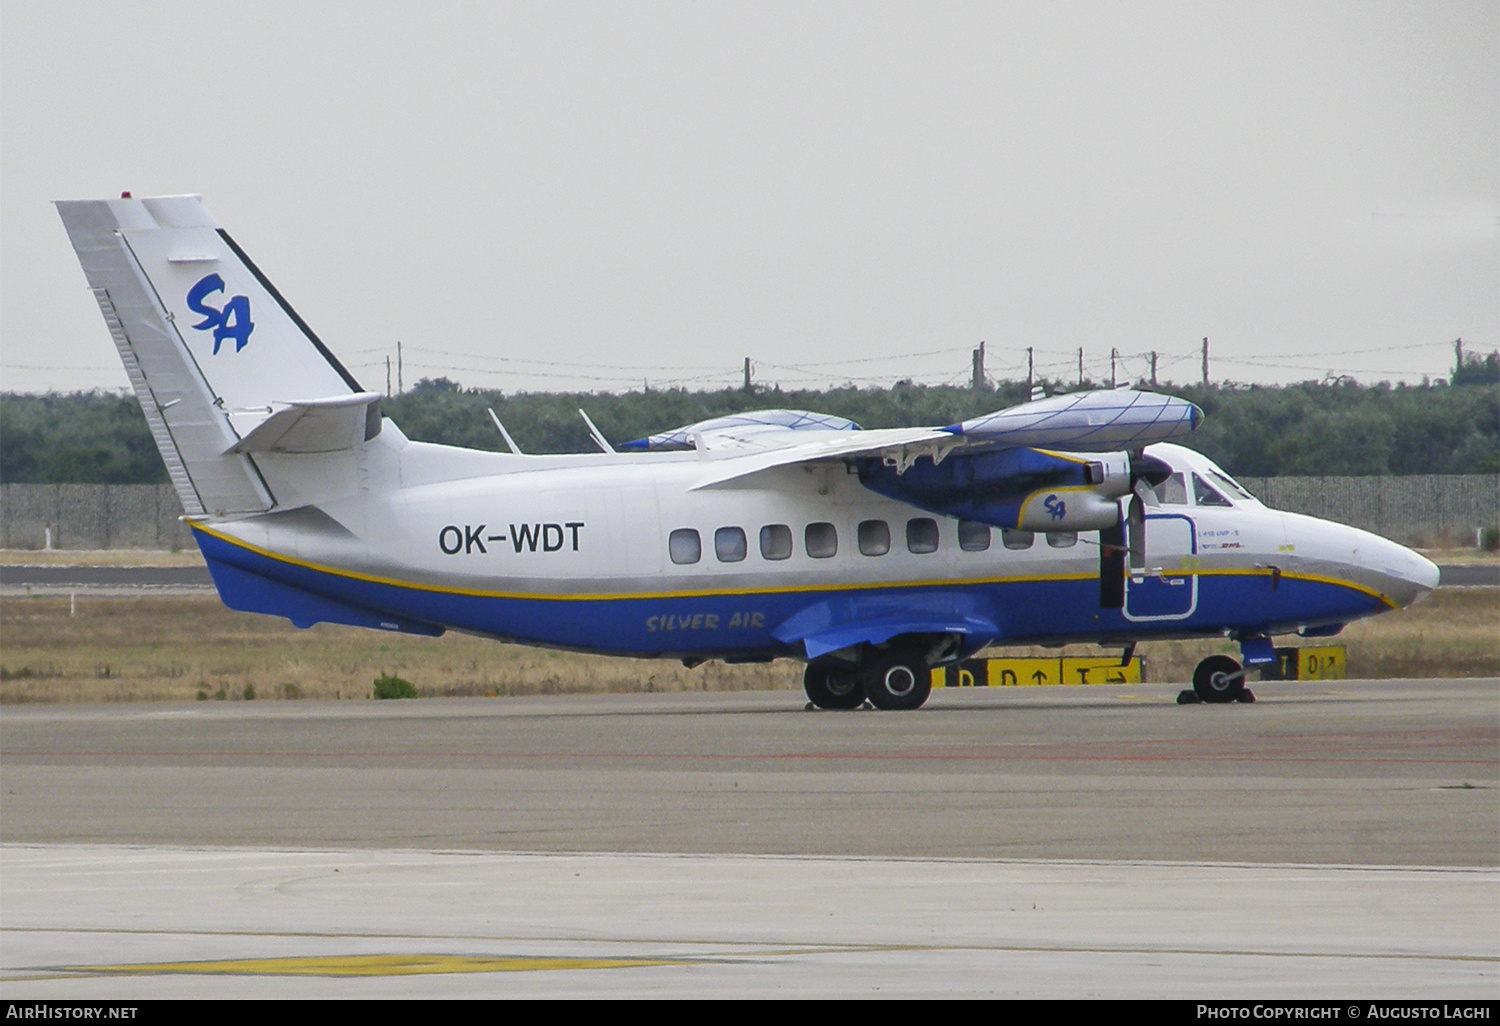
(873, 555)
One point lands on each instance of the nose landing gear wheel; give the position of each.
(897, 680)
(1219, 679)
(832, 689)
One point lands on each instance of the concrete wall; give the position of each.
(91, 517)
(1415, 510)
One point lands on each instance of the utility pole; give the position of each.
(1205, 361)
(1153, 368)
(1030, 369)
(387, 377)
(1080, 366)
(399, 386)
(979, 367)
(747, 374)
(1458, 355)
(1114, 354)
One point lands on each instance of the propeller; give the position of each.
(1128, 537)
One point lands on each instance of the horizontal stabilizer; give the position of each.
(311, 425)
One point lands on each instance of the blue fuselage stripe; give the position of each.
(741, 623)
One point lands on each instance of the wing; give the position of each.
(1086, 422)
(752, 429)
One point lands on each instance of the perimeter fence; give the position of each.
(1416, 510)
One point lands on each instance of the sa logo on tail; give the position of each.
(231, 322)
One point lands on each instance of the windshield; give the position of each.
(1228, 483)
(1204, 494)
(1172, 491)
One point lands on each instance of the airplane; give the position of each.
(871, 555)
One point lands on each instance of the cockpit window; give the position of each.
(1204, 494)
(1172, 491)
(1229, 484)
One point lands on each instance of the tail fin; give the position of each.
(222, 366)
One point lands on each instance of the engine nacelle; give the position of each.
(1025, 489)
(1069, 510)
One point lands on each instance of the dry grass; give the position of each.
(1466, 557)
(176, 648)
(173, 648)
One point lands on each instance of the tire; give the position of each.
(1218, 679)
(832, 689)
(896, 680)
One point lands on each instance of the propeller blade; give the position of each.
(1112, 567)
(1146, 472)
(1149, 469)
(1135, 517)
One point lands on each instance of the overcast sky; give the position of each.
(537, 196)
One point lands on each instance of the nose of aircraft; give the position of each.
(1419, 571)
(1407, 576)
(1377, 563)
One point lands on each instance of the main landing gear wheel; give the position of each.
(1219, 679)
(832, 689)
(896, 680)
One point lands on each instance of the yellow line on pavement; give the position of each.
(368, 965)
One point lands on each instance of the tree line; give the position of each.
(1337, 428)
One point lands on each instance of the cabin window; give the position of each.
(921, 534)
(684, 546)
(874, 537)
(1062, 539)
(973, 536)
(1204, 494)
(1016, 539)
(776, 542)
(729, 544)
(1172, 491)
(822, 540)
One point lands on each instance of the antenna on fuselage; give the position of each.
(596, 434)
(511, 442)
